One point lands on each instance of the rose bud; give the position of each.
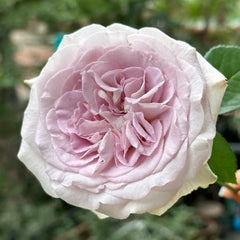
(231, 191)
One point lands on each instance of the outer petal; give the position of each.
(203, 178)
(179, 48)
(216, 83)
(81, 35)
(160, 200)
(60, 60)
(36, 165)
(83, 198)
(31, 118)
(117, 27)
(29, 153)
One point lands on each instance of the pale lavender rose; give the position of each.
(122, 121)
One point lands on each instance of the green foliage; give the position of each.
(179, 223)
(55, 220)
(223, 161)
(8, 70)
(7, 113)
(212, 7)
(226, 59)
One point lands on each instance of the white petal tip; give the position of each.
(30, 82)
(100, 215)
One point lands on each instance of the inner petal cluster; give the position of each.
(115, 110)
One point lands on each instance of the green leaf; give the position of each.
(227, 60)
(223, 161)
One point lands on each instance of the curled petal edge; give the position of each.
(203, 179)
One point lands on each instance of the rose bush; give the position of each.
(122, 120)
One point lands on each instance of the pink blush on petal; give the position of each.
(114, 115)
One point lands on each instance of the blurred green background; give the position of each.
(29, 33)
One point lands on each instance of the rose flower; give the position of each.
(122, 120)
